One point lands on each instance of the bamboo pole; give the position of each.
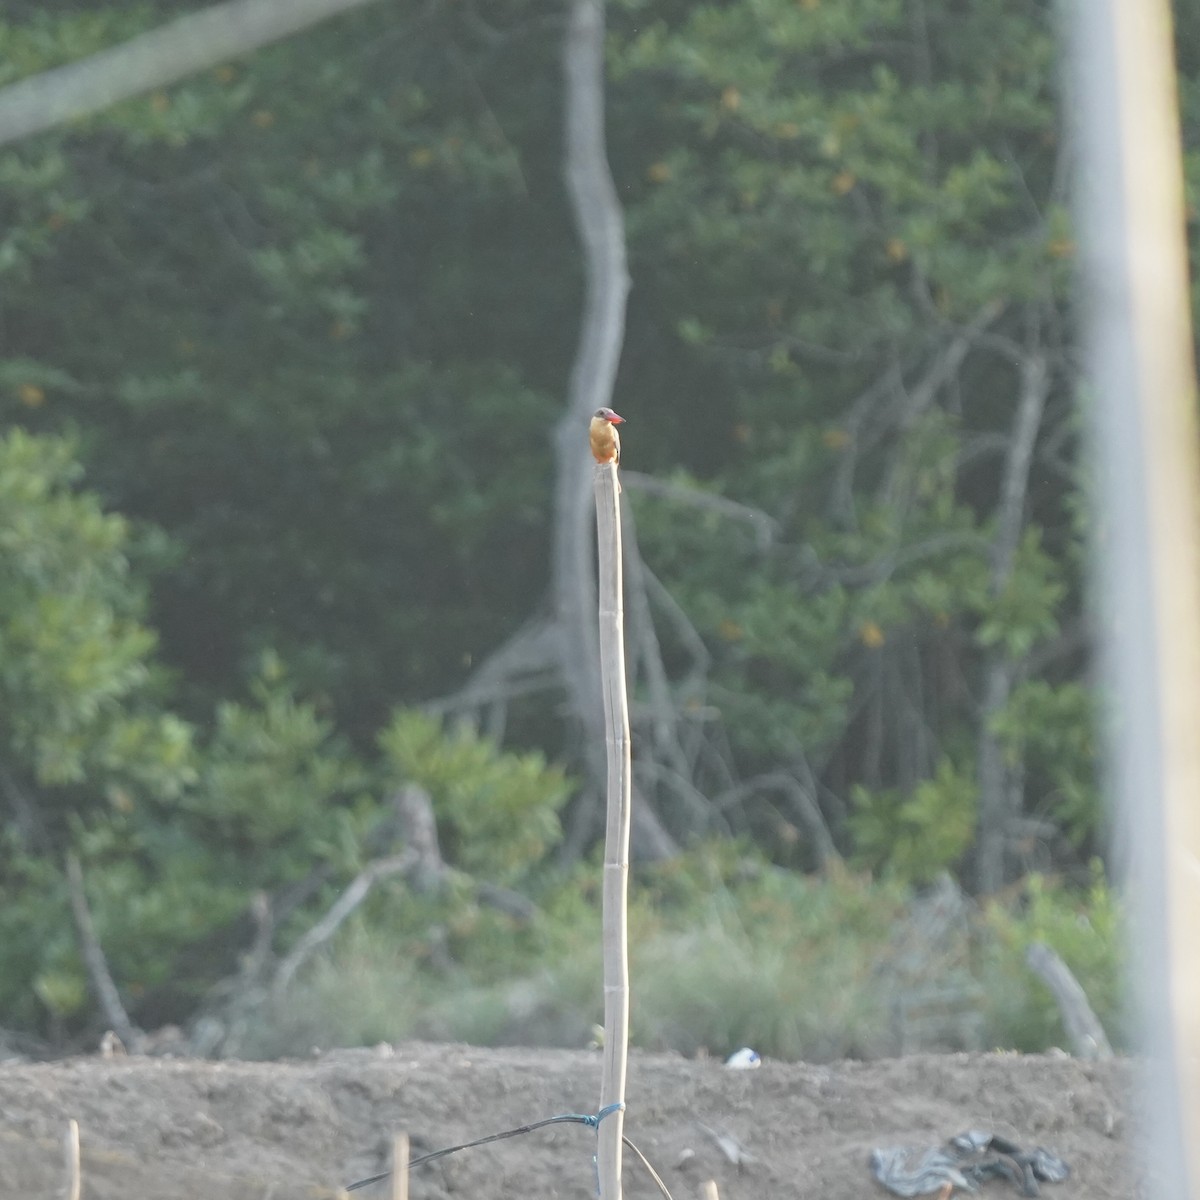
(616, 843)
(1145, 425)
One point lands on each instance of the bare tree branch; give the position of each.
(841, 492)
(883, 568)
(27, 822)
(659, 715)
(864, 430)
(421, 863)
(1035, 387)
(920, 398)
(527, 662)
(700, 809)
(357, 891)
(262, 979)
(419, 830)
(1083, 1028)
(1000, 787)
(92, 953)
(803, 803)
(766, 528)
(684, 629)
(155, 59)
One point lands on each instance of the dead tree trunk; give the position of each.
(158, 58)
(1084, 1032)
(999, 787)
(601, 226)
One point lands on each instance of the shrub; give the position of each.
(1085, 927)
(726, 950)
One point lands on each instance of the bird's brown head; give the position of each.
(607, 414)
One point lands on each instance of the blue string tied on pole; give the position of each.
(606, 1111)
(594, 1122)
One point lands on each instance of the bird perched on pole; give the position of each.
(602, 433)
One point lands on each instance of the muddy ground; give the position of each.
(162, 1129)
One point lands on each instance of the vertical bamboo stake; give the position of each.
(74, 1171)
(400, 1156)
(616, 841)
(1132, 204)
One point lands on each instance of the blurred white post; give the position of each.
(1145, 425)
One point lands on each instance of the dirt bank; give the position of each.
(155, 1129)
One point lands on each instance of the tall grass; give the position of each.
(724, 953)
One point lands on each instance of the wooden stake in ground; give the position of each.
(74, 1171)
(400, 1154)
(616, 843)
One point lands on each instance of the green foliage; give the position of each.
(277, 391)
(1053, 730)
(826, 195)
(765, 645)
(50, 35)
(725, 951)
(178, 827)
(916, 837)
(1086, 928)
(333, 387)
(769, 959)
(42, 973)
(89, 746)
(307, 318)
(274, 772)
(1027, 608)
(497, 813)
(76, 683)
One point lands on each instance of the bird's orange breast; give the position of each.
(606, 443)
